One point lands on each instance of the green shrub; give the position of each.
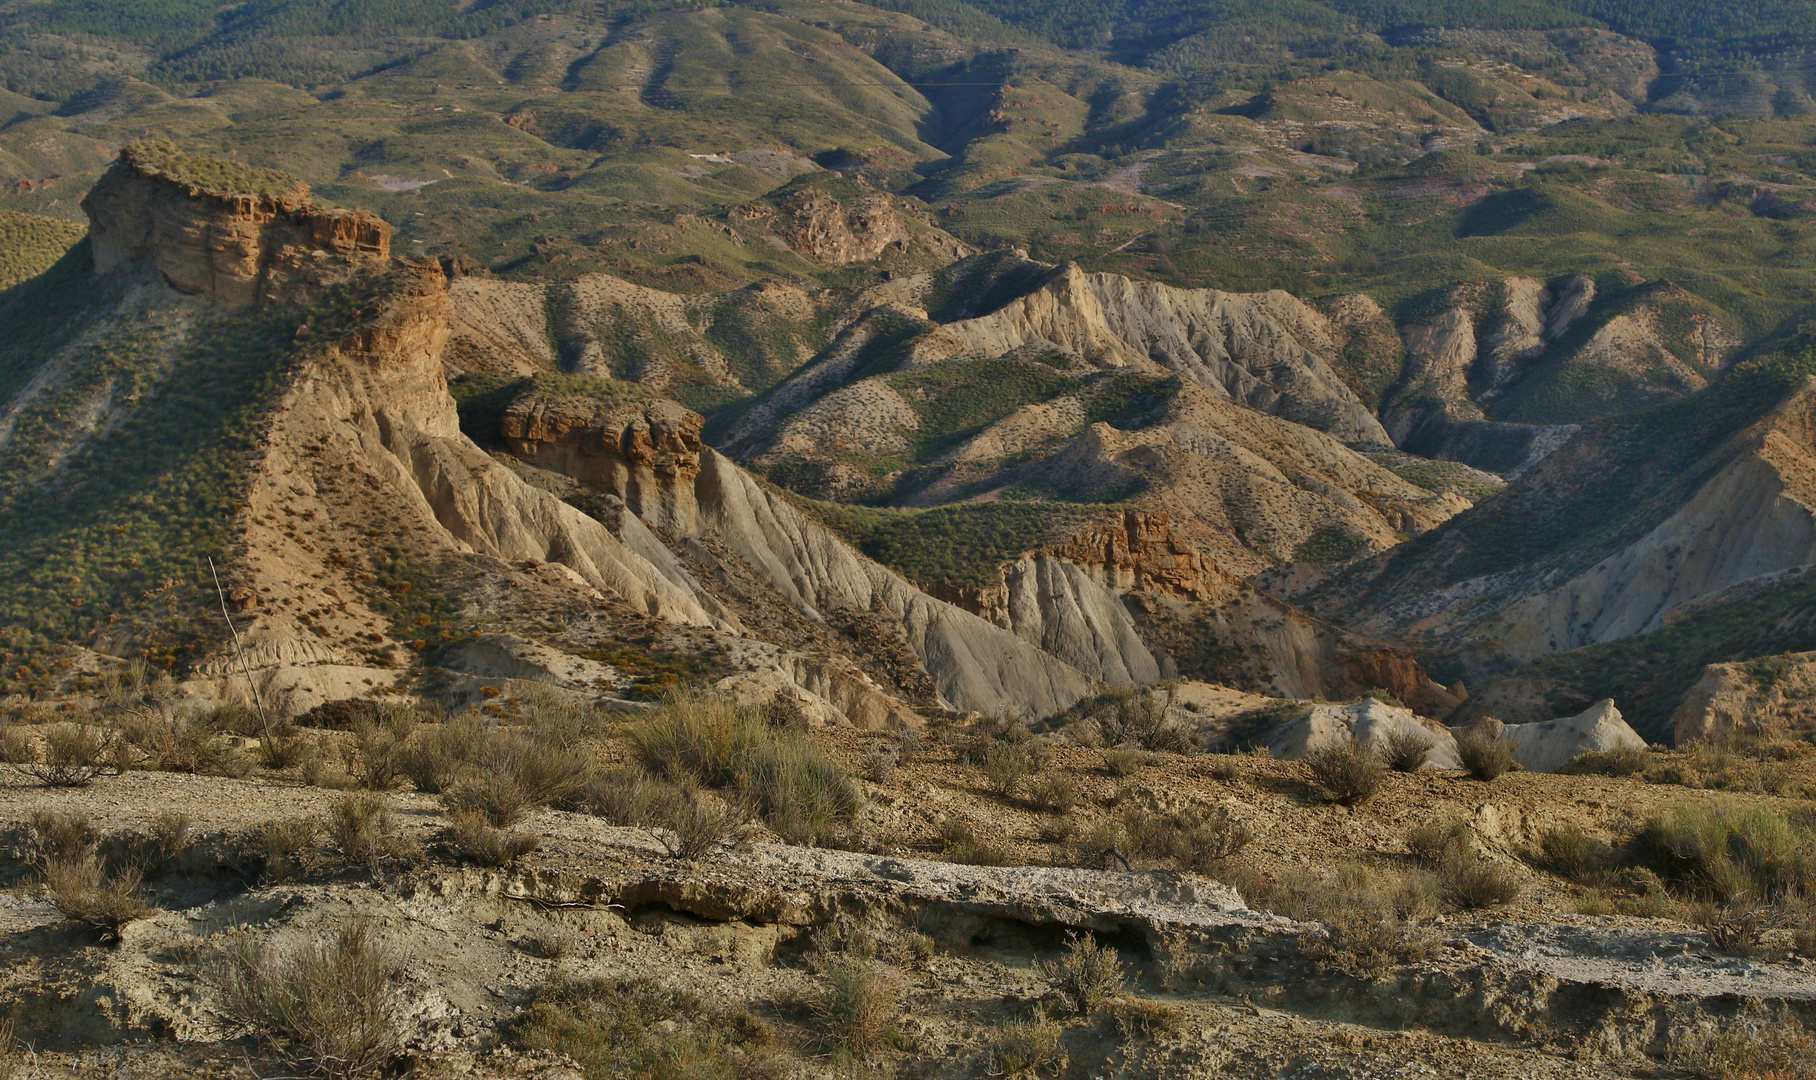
(1730, 851)
(1573, 853)
(1484, 754)
(793, 786)
(637, 1029)
(515, 770)
(1345, 773)
(435, 758)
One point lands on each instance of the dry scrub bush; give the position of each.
(154, 850)
(1730, 852)
(1775, 1049)
(1733, 928)
(880, 763)
(1136, 716)
(330, 1007)
(1197, 840)
(57, 834)
(1431, 842)
(1086, 976)
(637, 1029)
(514, 771)
(478, 843)
(1345, 773)
(82, 890)
(1054, 793)
(964, 843)
(857, 1007)
(1471, 881)
(691, 824)
(379, 746)
(1406, 751)
(1572, 853)
(73, 755)
(788, 781)
(284, 850)
(174, 742)
(1134, 1016)
(362, 828)
(1367, 944)
(1484, 754)
(1026, 1048)
(9, 1049)
(1005, 766)
(434, 759)
(15, 746)
(1623, 762)
(1124, 761)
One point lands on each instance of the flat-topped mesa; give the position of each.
(235, 233)
(643, 449)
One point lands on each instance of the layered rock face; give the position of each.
(228, 246)
(1768, 696)
(1549, 745)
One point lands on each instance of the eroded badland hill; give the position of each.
(572, 540)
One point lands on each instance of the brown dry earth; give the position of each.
(1527, 990)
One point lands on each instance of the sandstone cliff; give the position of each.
(226, 232)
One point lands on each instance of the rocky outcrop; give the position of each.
(1767, 696)
(817, 225)
(1435, 391)
(235, 235)
(644, 450)
(1549, 745)
(1371, 725)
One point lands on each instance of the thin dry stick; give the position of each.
(251, 687)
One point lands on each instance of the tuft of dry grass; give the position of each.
(639, 1029)
(73, 756)
(1407, 751)
(330, 1007)
(1368, 943)
(1124, 761)
(857, 1007)
(965, 843)
(1054, 793)
(1471, 881)
(284, 850)
(788, 781)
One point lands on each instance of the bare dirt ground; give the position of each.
(1525, 989)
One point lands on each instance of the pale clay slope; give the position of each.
(384, 410)
(1752, 518)
(1266, 350)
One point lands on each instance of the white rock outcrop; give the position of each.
(1549, 745)
(1368, 723)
